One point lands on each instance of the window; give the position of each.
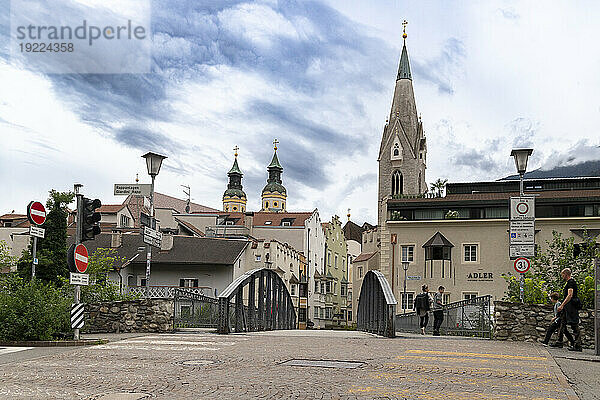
(274, 204)
(321, 312)
(469, 295)
(234, 209)
(328, 312)
(282, 205)
(293, 290)
(407, 301)
(408, 253)
(125, 220)
(302, 315)
(349, 315)
(323, 288)
(328, 287)
(186, 311)
(349, 295)
(316, 312)
(286, 223)
(268, 222)
(141, 281)
(470, 252)
(229, 222)
(329, 258)
(302, 289)
(446, 298)
(360, 272)
(257, 257)
(397, 184)
(343, 290)
(266, 204)
(188, 282)
(316, 287)
(335, 261)
(334, 287)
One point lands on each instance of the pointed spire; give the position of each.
(275, 160)
(235, 169)
(404, 68)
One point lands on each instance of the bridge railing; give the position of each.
(258, 300)
(472, 317)
(376, 306)
(194, 310)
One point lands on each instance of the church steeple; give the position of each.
(234, 198)
(274, 195)
(402, 154)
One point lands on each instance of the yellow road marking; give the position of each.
(480, 355)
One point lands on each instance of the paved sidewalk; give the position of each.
(259, 365)
(582, 371)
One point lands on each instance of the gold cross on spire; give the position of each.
(275, 143)
(404, 35)
(236, 150)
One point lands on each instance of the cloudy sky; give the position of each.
(319, 77)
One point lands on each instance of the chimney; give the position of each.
(167, 242)
(116, 239)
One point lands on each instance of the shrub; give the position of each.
(534, 291)
(32, 310)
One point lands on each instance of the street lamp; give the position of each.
(521, 156)
(405, 267)
(153, 163)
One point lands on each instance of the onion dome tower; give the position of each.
(234, 198)
(274, 194)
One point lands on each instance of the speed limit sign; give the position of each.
(522, 265)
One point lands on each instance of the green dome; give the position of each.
(274, 187)
(234, 193)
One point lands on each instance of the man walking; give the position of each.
(422, 306)
(438, 310)
(570, 312)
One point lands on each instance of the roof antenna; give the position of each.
(187, 205)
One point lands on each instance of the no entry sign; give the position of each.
(522, 265)
(36, 212)
(81, 258)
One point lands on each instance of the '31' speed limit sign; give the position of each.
(522, 265)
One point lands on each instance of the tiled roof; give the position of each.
(352, 231)
(363, 257)
(166, 201)
(295, 218)
(110, 208)
(186, 249)
(189, 227)
(12, 216)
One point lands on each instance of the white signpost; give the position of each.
(152, 237)
(522, 208)
(36, 231)
(138, 189)
(521, 234)
(522, 250)
(79, 279)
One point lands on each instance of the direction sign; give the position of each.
(125, 189)
(413, 278)
(522, 208)
(36, 213)
(522, 265)
(81, 258)
(521, 250)
(79, 279)
(36, 231)
(522, 232)
(152, 237)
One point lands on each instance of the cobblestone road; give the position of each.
(247, 366)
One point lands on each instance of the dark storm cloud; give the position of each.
(443, 69)
(144, 139)
(476, 159)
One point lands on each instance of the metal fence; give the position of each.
(471, 317)
(258, 300)
(164, 292)
(376, 306)
(193, 310)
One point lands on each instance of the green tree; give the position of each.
(52, 249)
(534, 289)
(439, 186)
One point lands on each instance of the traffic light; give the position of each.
(90, 219)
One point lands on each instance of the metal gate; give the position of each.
(193, 310)
(471, 317)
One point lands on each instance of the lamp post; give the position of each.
(405, 267)
(153, 163)
(521, 157)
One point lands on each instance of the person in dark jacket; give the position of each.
(422, 306)
(438, 310)
(570, 312)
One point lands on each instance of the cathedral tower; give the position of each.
(403, 150)
(274, 194)
(234, 198)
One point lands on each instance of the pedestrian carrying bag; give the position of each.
(422, 302)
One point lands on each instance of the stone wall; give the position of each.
(524, 322)
(146, 315)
